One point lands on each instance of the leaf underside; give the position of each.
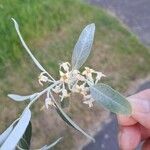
(22, 98)
(18, 131)
(110, 99)
(7, 132)
(83, 46)
(24, 142)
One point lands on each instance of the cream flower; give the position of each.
(65, 66)
(86, 97)
(64, 77)
(57, 89)
(99, 75)
(42, 78)
(88, 73)
(80, 89)
(49, 102)
(89, 102)
(65, 93)
(80, 77)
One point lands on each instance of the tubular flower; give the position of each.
(65, 66)
(80, 89)
(64, 77)
(65, 93)
(88, 71)
(57, 89)
(42, 78)
(49, 102)
(99, 76)
(89, 102)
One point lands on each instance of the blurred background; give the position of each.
(51, 29)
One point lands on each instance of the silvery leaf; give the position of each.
(67, 119)
(24, 142)
(47, 147)
(110, 99)
(22, 98)
(18, 131)
(7, 132)
(83, 46)
(26, 47)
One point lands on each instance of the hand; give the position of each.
(136, 128)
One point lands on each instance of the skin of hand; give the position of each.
(136, 128)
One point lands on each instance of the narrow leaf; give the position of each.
(47, 147)
(24, 142)
(7, 132)
(83, 46)
(110, 99)
(18, 131)
(22, 98)
(67, 119)
(26, 47)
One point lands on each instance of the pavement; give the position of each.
(133, 13)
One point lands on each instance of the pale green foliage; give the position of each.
(22, 98)
(18, 131)
(110, 99)
(83, 46)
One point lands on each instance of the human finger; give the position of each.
(129, 137)
(146, 145)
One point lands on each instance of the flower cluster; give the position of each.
(72, 81)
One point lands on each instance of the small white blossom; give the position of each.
(57, 89)
(64, 77)
(65, 93)
(88, 73)
(48, 102)
(80, 89)
(89, 102)
(86, 97)
(42, 78)
(80, 77)
(99, 76)
(65, 66)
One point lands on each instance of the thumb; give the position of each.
(141, 107)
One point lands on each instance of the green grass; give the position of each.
(51, 28)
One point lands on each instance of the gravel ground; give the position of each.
(133, 13)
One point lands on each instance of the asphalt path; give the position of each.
(134, 13)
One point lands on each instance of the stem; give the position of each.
(55, 100)
(28, 50)
(42, 92)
